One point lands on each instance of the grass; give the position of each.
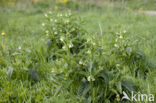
(142, 4)
(25, 48)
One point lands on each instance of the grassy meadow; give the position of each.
(68, 51)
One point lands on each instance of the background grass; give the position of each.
(22, 25)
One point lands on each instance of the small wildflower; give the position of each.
(91, 78)
(56, 7)
(60, 15)
(67, 21)
(19, 48)
(115, 45)
(52, 71)
(51, 20)
(117, 96)
(80, 62)
(124, 31)
(118, 65)
(47, 31)
(43, 24)
(120, 36)
(45, 15)
(47, 34)
(3, 33)
(88, 39)
(64, 47)
(89, 52)
(55, 20)
(70, 45)
(62, 38)
(55, 32)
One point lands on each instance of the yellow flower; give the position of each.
(3, 45)
(117, 96)
(3, 33)
(56, 7)
(35, 1)
(65, 1)
(62, 1)
(10, 3)
(88, 39)
(128, 8)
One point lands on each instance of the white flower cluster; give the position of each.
(62, 38)
(88, 52)
(119, 37)
(66, 21)
(43, 24)
(46, 15)
(70, 45)
(90, 78)
(47, 33)
(82, 62)
(59, 15)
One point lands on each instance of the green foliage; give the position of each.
(83, 65)
(68, 64)
(64, 34)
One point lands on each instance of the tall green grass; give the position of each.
(34, 71)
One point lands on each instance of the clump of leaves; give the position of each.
(124, 49)
(65, 34)
(79, 62)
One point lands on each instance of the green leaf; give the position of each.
(104, 76)
(129, 50)
(10, 71)
(34, 75)
(57, 90)
(128, 85)
(84, 88)
(119, 87)
(107, 101)
(90, 66)
(89, 100)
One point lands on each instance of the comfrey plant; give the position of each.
(124, 49)
(80, 64)
(65, 33)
